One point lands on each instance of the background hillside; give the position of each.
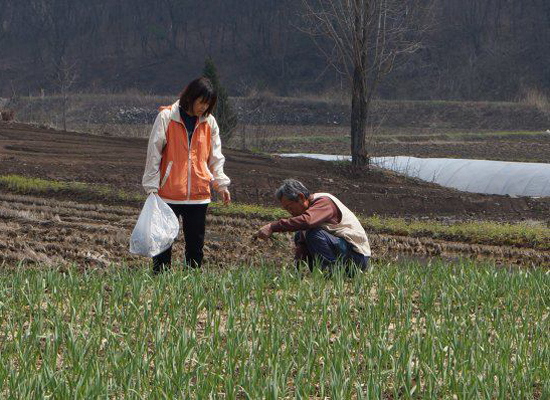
(474, 49)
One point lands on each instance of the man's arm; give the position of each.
(323, 210)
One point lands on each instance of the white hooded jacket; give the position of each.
(158, 141)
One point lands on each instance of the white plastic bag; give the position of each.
(156, 229)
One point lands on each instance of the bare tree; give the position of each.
(366, 37)
(65, 76)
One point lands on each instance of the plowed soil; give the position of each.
(39, 229)
(49, 232)
(119, 162)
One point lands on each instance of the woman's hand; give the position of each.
(226, 196)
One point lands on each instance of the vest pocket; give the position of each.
(166, 174)
(200, 180)
(208, 173)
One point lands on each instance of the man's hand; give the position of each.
(265, 232)
(226, 196)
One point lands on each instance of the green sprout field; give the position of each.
(261, 331)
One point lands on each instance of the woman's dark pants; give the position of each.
(194, 219)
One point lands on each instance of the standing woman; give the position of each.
(184, 158)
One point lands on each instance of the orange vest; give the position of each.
(184, 167)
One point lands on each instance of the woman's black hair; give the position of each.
(196, 89)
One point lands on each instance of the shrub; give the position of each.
(226, 117)
(7, 115)
(537, 99)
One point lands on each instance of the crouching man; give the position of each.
(327, 232)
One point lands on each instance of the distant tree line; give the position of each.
(475, 49)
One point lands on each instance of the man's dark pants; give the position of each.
(326, 250)
(194, 219)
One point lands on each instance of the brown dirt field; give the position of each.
(53, 230)
(119, 162)
(50, 232)
(390, 141)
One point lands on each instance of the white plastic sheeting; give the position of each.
(477, 176)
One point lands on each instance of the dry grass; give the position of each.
(7, 115)
(538, 99)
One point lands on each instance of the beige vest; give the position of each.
(349, 228)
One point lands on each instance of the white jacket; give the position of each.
(157, 142)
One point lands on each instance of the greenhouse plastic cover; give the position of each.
(477, 176)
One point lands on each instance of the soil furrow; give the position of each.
(40, 230)
(69, 205)
(49, 212)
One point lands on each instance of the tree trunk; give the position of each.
(359, 155)
(64, 113)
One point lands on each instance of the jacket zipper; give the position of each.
(189, 157)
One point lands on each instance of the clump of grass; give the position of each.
(536, 98)
(491, 134)
(23, 184)
(399, 331)
(247, 210)
(482, 232)
(28, 185)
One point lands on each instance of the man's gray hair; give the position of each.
(291, 189)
